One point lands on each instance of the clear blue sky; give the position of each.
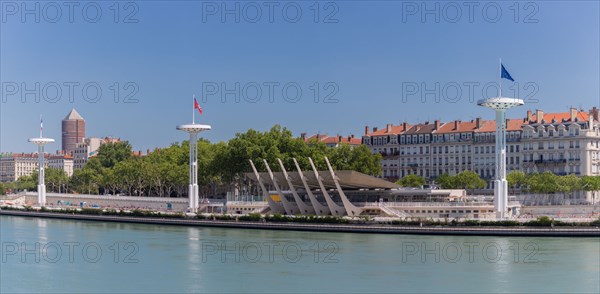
(370, 53)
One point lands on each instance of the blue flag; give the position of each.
(504, 74)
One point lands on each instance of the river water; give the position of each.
(47, 255)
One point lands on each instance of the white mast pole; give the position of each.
(500, 79)
(193, 109)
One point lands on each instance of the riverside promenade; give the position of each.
(348, 228)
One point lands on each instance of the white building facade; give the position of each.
(62, 162)
(563, 143)
(15, 165)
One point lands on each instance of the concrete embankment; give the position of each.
(349, 228)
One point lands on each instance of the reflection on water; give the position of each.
(120, 257)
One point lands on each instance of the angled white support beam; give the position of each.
(350, 208)
(275, 207)
(334, 209)
(289, 207)
(319, 208)
(304, 208)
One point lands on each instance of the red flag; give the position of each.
(197, 106)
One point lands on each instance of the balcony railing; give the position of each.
(550, 161)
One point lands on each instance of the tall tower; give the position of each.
(500, 105)
(73, 131)
(193, 129)
(41, 141)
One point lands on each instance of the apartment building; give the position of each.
(62, 162)
(15, 165)
(564, 143)
(88, 149)
(332, 141)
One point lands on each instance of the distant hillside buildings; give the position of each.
(76, 151)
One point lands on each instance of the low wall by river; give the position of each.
(111, 201)
(562, 211)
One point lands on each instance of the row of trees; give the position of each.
(542, 183)
(548, 183)
(465, 180)
(164, 172)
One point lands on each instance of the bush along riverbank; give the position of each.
(98, 211)
(543, 221)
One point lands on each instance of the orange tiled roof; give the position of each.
(561, 116)
(421, 129)
(514, 124)
(394, 130)
(333, 140)
(457, 127)
(490, 125)
(26, 155)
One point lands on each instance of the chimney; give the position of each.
(339, 138)
(375, 129)
(478, 123)
(572, 113)
(404, 126)
(366, 130)
(352, 136)
(539, 115)
(456, 122)
(147, 151)
(529, 116)
(437, 124)
(303, 136)
(388, 128)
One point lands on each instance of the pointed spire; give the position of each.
(73, 115)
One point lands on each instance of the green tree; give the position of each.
(544, 183)
(85, 181)
(516, 179)
(591, 184)
(27, 182)
(447, 181)
(55, 179)
(109, 154)
(568, 184)
(469, 180)
(109, 181)
(165, 171)
(411, 181)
